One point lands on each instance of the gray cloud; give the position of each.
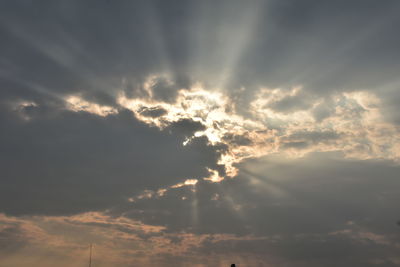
(67, 162)
(324, 46)
(304, 251)
(303, 139)
(292, 103)
(320, 210)
(153, 112)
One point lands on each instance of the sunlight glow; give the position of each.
(294, 132)
(187, 182)
(354, 124)
(214, 176)
(76, 103)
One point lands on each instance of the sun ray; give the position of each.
(222, 36)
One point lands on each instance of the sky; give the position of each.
(182, 133)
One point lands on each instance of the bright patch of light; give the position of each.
(214, 176)
(21, 106)
(188, 182)
(76, 103)
(355, 125)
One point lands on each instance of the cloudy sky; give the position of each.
(200, 133)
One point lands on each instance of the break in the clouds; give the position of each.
(178, 133)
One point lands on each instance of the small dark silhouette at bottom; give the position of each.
(233, 265)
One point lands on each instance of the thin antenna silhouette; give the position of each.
(90, 256)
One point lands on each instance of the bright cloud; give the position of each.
(77, 103)
(352, 122)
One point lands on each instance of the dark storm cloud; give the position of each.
(186, 127)
(67, 162)
(320, 210)
(318, 194)
(60, 162)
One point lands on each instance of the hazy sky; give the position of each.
(200, 133)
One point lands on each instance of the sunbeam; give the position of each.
(221, 36)
(199, 133)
